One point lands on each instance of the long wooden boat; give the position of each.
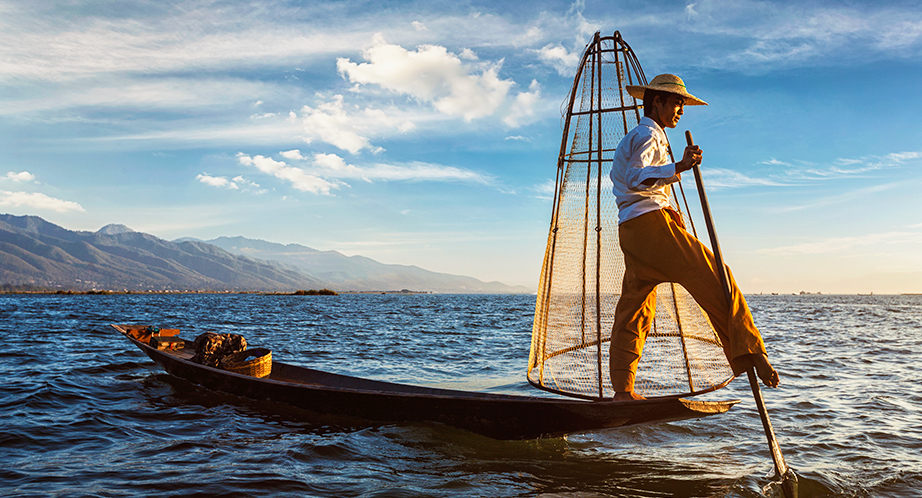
(499, 416)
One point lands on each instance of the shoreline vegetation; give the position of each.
(315, 292)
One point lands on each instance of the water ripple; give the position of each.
(83, 413)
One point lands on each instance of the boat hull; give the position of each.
(499, 416)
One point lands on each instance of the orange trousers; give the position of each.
(658, 249)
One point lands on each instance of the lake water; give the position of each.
(83, 412)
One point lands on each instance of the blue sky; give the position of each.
(427, 132)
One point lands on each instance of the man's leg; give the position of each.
(633, 319)
(732, 321)
(670, 254)
(633, 314)
(746, 348)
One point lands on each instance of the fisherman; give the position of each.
(658, 249)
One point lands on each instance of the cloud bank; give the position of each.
(321, 173)
(36, 200)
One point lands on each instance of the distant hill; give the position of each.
(358, 272)
(114, 229)
(34, 252)
(38, 253)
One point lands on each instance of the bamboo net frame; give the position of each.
(583, 264)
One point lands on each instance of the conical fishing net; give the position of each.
(583, 264)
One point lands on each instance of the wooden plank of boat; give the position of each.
(500, 416)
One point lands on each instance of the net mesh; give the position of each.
(583, 264)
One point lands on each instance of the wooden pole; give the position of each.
(788, 478)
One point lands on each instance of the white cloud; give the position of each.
(545, 190)
(523, 107)
(519, 138)
(294, 155)
(874, 162)
(238, 183)
(775, 162)
(326, 171)
(468, 54)
(841, 167)
(901, 35)
(831, 172)
(299, 178)
(36, 200)
(718, 177)
(584, 28)
(558, 57)
(22, 176)
(128, 91)
(901, 157)
(532, 35)
(764, 52)
(336, 167)
(420, 171)
(217, 181)
(330, 122)
(249, 186)
(847, 196)
(418, 26)
(431, 74)
(225, 133)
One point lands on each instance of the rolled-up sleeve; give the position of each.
(643, 150)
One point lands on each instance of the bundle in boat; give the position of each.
(583, 264)
(229, 352)
(211, 347)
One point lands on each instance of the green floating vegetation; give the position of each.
(315, 292)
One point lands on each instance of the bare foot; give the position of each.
(627, 396)
(765, 370)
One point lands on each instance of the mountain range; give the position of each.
(358, 272)
(37, 253)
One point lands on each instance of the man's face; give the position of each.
(670, 110)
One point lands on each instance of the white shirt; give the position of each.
(642, 154)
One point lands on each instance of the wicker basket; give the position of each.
(256, 362)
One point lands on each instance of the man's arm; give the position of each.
(690, 158)
(640, 172)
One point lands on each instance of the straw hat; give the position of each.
(665, 83)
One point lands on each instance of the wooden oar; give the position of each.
(788, 478)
